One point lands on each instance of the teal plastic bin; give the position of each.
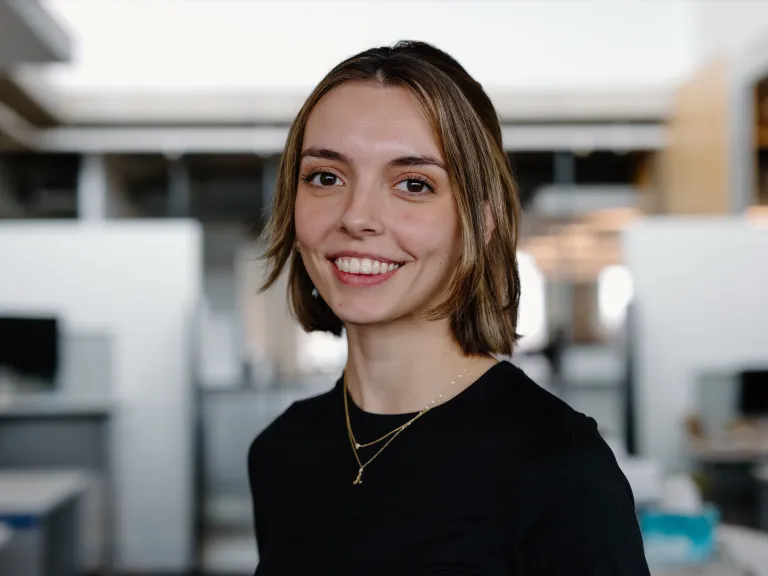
(673, 539)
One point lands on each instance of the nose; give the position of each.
(364, 211)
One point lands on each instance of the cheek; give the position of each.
(312, 219)
(434, 234)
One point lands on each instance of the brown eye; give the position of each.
(323, 179)
(327, 179)
(414, 186)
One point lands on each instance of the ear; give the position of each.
(490, 223)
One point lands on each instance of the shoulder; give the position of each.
(298, 422)
(568, 473)
(545, 422)
(557, 441)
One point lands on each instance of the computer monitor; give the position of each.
(29, 346)
(754, 393)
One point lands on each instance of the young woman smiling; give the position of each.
(397, 216)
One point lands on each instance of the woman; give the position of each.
(397, 216)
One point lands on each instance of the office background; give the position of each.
(138, 148)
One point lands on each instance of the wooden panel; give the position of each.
(696, 165)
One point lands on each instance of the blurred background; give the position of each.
(138, 149)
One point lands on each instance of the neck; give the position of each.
(401, 367)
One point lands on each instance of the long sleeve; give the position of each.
(581, 514)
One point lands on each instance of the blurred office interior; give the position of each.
(138, 149)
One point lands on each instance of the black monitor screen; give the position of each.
(754, 392)
(30, 346)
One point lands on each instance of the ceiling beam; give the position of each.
(269, 140)
(15, 131)
(28, 34)
(25, 104)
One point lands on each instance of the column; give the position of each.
(92, 188)
(9, 204)
(179, 188)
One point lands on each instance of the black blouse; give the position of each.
(503, 479)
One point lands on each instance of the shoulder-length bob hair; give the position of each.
(484, 297)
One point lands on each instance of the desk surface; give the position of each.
(52, 404)
(744, 551)
(748, 547)
(728, 451)
(36, 493)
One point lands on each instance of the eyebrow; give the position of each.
(401, 161)
(326, 154)
(417, 161)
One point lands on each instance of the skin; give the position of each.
(373, 183)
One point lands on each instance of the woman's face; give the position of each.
(376, 221)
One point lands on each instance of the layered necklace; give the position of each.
(389, 436)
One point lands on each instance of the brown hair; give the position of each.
(484, 297)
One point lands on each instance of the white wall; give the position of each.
(140, 282)
(728, 26)
(701, 288)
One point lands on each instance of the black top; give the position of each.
(503, 479)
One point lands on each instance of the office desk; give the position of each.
(42, 509)
(51, 431)
(728, 465)
(728, 451)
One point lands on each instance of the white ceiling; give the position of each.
(183, 45)
(144, 60)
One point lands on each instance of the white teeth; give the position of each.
(365, 266)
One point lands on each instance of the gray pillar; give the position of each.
(742, 153)
(565, 168)
(9, 205)
(561, 295)
(102, 191)
(179, 188)
(92, 188)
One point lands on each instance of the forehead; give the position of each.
(364, 119)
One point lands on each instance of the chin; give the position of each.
(364, 313)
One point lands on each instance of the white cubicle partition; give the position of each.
(140, 282)
(43, 509)
(701, 294)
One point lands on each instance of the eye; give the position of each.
(322, 179)
(414, 186)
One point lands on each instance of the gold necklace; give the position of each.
(391, 435)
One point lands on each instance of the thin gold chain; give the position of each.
(391, 434)
(358, 445)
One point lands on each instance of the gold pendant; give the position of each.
(359, 479)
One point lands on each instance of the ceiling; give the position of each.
(242, 61)
(30, 35)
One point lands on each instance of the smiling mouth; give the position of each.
(364, 266)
